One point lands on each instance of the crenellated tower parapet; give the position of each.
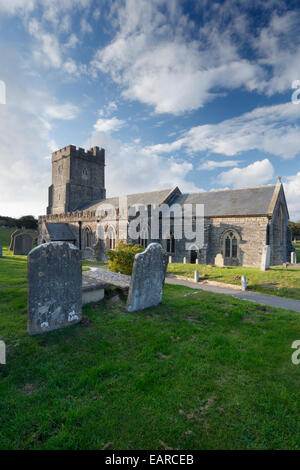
(78, 178)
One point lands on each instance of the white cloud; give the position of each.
(271, 129)
(85, 26)
(47, 50)
(255, 174)
(162, 58)
(65, 111)
(72, 41)
(109, 125)
(278, 48)
(96, 14)
(129, 168)
(108, 109)
(212, 165)
(26, 139)
(292, 192)
(17, 6)
(158, 63)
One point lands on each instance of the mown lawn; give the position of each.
(284, 282)
(201, 371)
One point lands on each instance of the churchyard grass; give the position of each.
(200, 371)
(284, 282)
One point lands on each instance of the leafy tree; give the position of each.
(28, 221)
(295, 227)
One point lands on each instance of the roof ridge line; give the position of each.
(232, 189)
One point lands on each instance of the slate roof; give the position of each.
(153, 197)
(223, 203)
(232, 202)
(60, 232)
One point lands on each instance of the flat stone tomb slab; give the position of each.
(108, 277)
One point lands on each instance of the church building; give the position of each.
(238, 223)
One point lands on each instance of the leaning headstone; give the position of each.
(196, 275)
(265, 258)
(22, 244)
(244, 283)
(219, 261)
(1, 252)
(54, 287)
(12, 238)
(148, 277)
(293, 257)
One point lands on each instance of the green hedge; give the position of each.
(122, 258)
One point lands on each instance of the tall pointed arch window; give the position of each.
(231, 244)
(110, 238)
(88, 237)
(171, 243)
(281, 224)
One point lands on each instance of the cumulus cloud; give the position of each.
(65, 111)
(108, 125)
(212, 165)
(129, 168)
(278, 48)
(159, 62)
(255, 174)
(271, 129)
(161, 58)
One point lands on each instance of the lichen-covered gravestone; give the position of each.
(22, 244)
(148, 277)
(54, 287)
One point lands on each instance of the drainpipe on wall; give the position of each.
(80, 223)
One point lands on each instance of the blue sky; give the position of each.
(195, 94)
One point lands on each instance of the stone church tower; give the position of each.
(78, 177)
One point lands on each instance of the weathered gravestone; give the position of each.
(88, 253)
(12, 238)
(22, 244)
(293, 257)
(100, 251)
(265, 258)
(219, 261)
(148, 277)
(1, 252)
(54, 287)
